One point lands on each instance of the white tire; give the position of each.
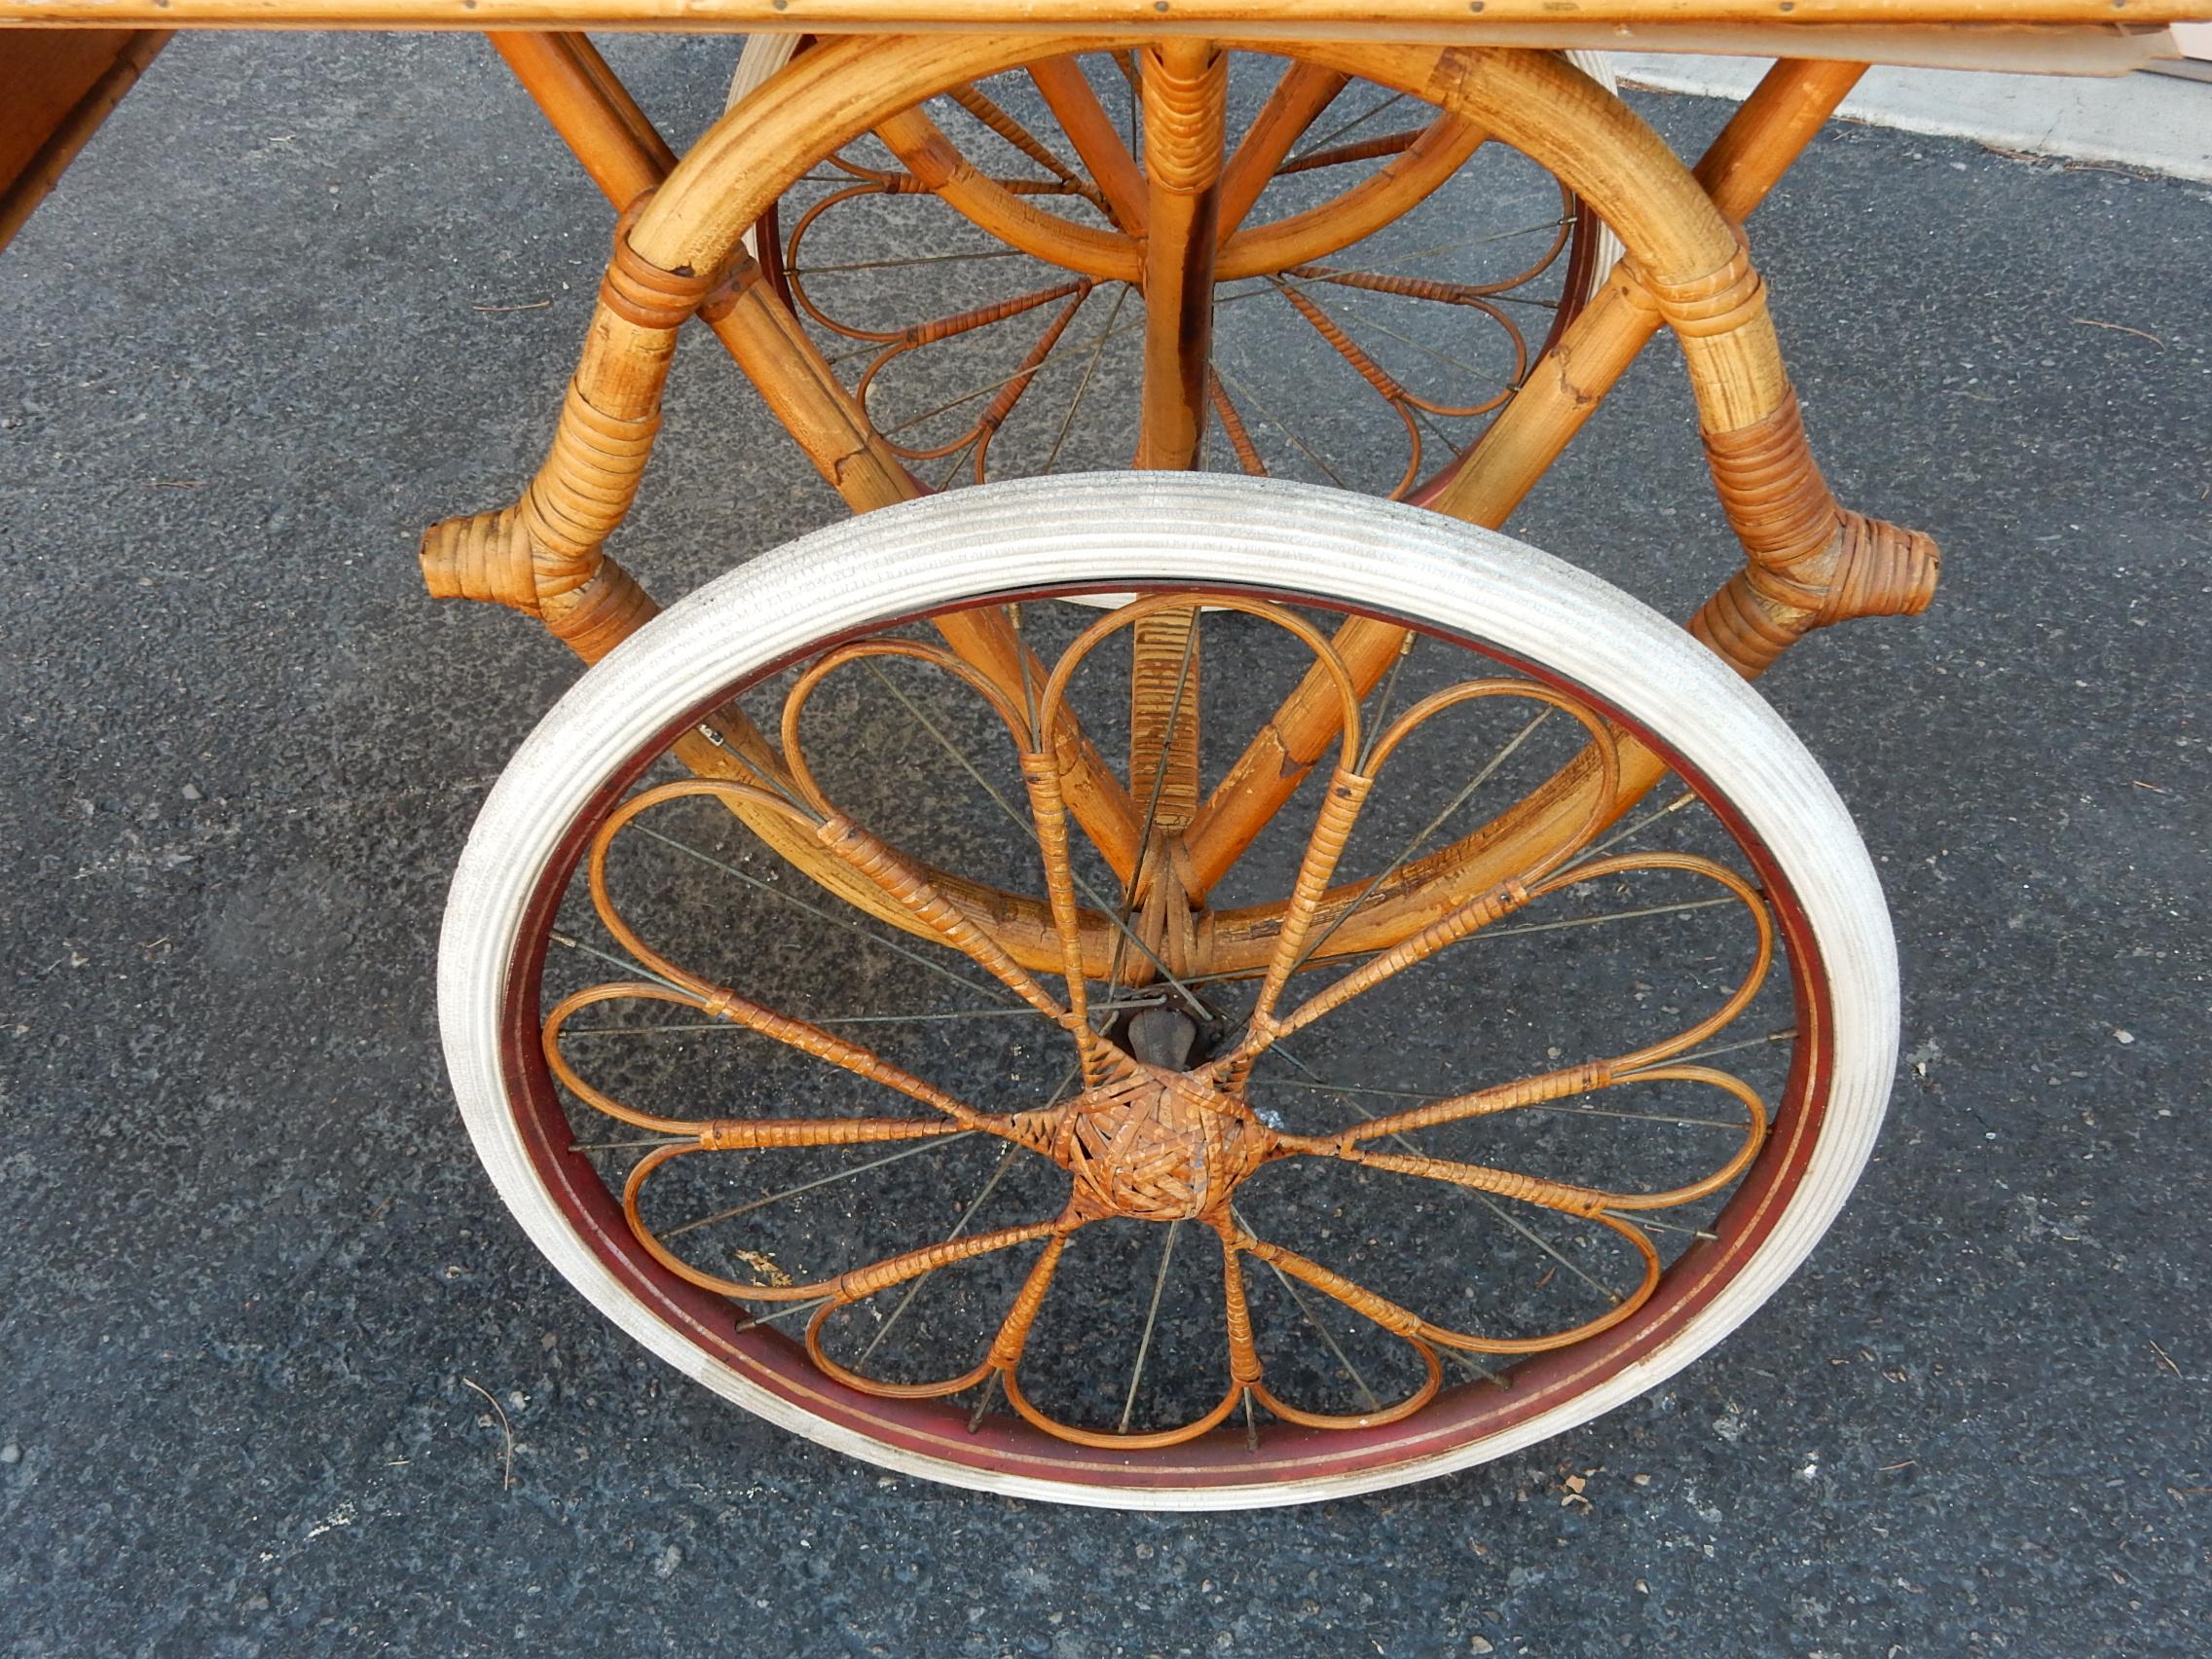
(1184, 530)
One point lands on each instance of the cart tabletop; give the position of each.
(1240, 19)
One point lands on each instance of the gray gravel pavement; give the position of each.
(264, 333)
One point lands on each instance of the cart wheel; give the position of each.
(1238, 1206)
(957, 266)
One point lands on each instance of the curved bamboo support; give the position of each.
(1392, 189)
(933, 158)
(828, 96)
(1409, 177)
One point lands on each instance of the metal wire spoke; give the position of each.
(1089, 369)
(1095, 343)
(1151, 1320)
(1310, 965)
(895, 947)
(959, 460)
(1241, 442)
(787, 1312)
(1470, 918)
(1629, 831)
(1334, 133)
(953, 258)
(1737, 1046)
(1645, 1219)
(1489, 1202)
(1544, 1245)
(1366, 150)
(1275, 420)
(685, 1027)
(960, 1226)
(1453, 447)
(568, 941)
(1430, 1098)
(816, 1184)
(1423, 346)
(1518, 928)
(1437, 250)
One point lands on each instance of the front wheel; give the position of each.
(1081, 1169)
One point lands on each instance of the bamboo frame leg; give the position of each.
(590, 109)
(57, 87)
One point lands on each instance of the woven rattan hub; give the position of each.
(1157, 1145)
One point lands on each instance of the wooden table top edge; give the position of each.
(1429, 20)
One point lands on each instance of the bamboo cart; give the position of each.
(919, 1009)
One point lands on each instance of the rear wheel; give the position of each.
(1381, 275)
(1027, 1163)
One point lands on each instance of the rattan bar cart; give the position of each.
(927, 1011)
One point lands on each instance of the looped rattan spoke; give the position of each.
(850, 1285)
(725, 1005)
(1410, 1328)
(1335, 822)
(1298, 942)
(951, 327)
(1637, 1064)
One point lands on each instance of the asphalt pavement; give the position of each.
(306, 294)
